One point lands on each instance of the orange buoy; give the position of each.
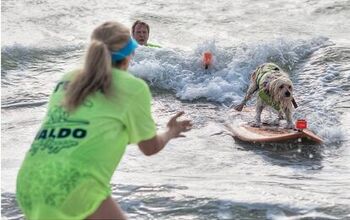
(207, 59)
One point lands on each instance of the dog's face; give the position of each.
(281, 89)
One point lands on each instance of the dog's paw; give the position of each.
(275, 122)
(271, 122)
(289, 126)
(255, 124)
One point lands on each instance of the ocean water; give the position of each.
(206, 175)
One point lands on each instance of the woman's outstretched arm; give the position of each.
(174, 130)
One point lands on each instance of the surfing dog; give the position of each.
(275, 89)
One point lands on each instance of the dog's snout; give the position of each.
(287, 94)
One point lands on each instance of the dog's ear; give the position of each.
(271, 87)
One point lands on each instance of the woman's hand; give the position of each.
(158, 142)
(177, 127)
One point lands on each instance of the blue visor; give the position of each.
(125, 51)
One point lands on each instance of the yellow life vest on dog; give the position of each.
(260, 79)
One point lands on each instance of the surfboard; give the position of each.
(271, 134)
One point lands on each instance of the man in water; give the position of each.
(140, 32)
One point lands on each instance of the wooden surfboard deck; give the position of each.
(271, 134)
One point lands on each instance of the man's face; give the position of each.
(141, 34)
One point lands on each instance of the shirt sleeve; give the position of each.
(139, 122)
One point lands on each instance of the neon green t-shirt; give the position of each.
(67, 171)
(153, 45)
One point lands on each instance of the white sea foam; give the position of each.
(226, 81)
(228, 78)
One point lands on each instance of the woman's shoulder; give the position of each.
(68, 76)
(128, 81)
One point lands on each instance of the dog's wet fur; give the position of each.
(279, 86)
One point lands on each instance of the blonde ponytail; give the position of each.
(97, 72)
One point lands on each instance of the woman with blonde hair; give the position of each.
(93, 114)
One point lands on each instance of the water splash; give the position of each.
(183, 73)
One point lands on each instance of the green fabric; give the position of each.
(261, 75)
(67, 171)
(153, 45)
(262, 72)
(268, 100)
